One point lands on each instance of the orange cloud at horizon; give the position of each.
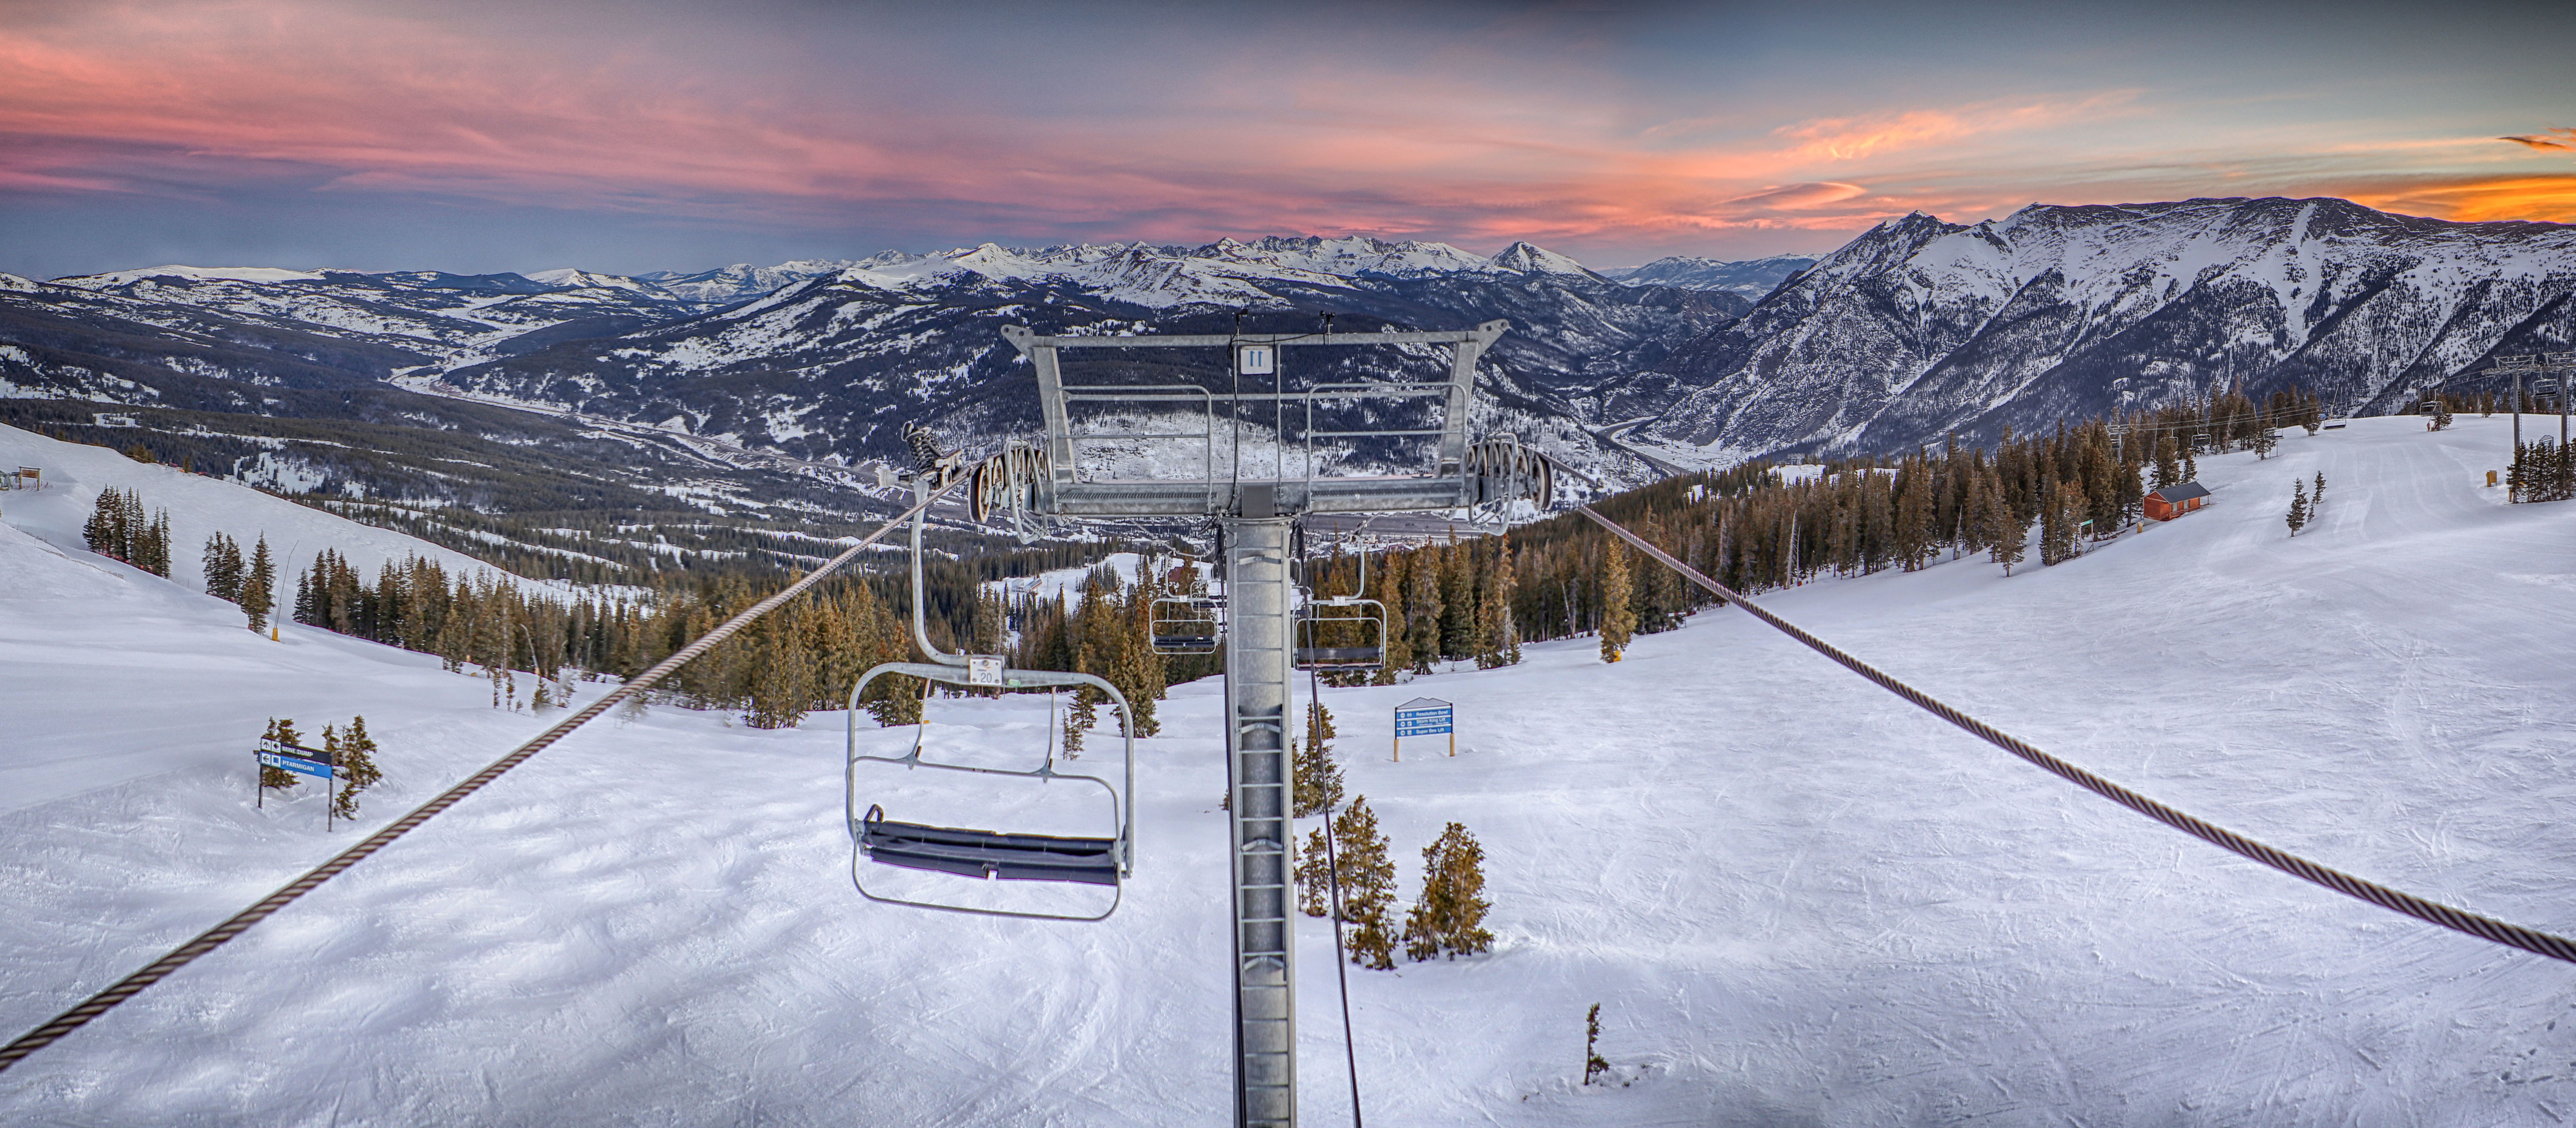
(2538, 199)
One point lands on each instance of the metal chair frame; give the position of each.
(1122, 808)
(1311, 620)
(1163, 640)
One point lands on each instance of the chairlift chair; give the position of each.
(1186, 624)
(1320, 619)
(880, 838)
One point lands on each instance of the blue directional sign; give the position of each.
(297, 764)
(1424, 716)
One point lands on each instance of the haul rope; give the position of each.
(241, 922)
(2486, 928)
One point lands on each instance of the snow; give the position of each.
(199, 507)
(1797, 899)
(196, 273)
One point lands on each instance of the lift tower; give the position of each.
(1256, 459)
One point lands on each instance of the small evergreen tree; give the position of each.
(2317, 497)
(1618, 617)
(224, 568)
(2007, 536)
(357, 766)
(101, 533)
(1314, 876)
(1318, 777)
(1449, 918)
(2265, 439)
(1368, 885)
(1593, 1066)
(258, 587)
(2298, 515)
(280, 737)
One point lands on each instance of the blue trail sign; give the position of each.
(300, 760)
(1425, 716)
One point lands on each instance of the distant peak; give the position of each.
(1528, 258)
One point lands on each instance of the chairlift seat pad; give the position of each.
(1365, 657)
(990, 853)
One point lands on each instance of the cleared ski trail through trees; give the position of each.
(1798, 899)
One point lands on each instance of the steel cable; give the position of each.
(242, 921)
(2486, 928)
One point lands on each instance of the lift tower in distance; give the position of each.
(1255, 459)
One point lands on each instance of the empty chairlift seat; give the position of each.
(1341, 633)
(988, 853)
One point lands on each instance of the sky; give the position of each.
(629, 137)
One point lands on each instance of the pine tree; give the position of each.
(1450, 916)
(280, 737)
(1618, 620)
(357, 771)
(103, 533)
(1593, 1066)
(2298, 515)
(2007, 536)
(224, 568)
(1318, 778)
(2168, 464)
(1368, 885)
(1499, 638)
(1423, 610)
(782, 672)
(2317, 497)
(1314, 875)
(257, 599)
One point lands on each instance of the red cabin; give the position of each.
(2174, 501)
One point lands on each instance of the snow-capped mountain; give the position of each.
(1920, 328)
(830, 367)
(1752, 278)
(726, 285)
(1916, 329)
(424, 317)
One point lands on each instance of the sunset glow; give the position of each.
(657, 137)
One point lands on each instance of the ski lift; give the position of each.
(1320, 620)
(881, 839)
(1337, 620)
(884, 841)
(1187, 624)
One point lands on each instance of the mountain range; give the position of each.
(1916, 330)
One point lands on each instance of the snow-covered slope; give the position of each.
(199, 507)
(1797, 899)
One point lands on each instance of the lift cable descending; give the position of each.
(241, 922)
(2485, 928)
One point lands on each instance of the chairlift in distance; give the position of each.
(1186, 624)
(974, 852)
(1319, 619)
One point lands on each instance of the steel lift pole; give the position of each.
(1259, 836)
